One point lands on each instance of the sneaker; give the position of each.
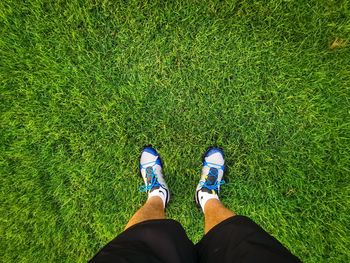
(151, 171)
(213, 166)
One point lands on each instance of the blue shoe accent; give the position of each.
(154, 152)
(213, 150)
(150, 150)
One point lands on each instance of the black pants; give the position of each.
(237, 239)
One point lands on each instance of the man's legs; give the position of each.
(152, 209)
(215, 212)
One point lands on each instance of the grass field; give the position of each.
(85, 84)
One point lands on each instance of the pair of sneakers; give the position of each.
(213, 165)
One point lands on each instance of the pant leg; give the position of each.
(239, 239)
(160, 240)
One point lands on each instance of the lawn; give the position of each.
(86, 84)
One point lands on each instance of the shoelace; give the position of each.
(212, 186)
(154, 181)
(217, 183)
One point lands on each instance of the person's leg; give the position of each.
(148, 236)
(157, 190)
(230, 237)
(152, 209)
(214, 213)
(207, 192)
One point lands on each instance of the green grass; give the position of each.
(85, 84)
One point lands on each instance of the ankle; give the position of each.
(211, 205)
(161, 194)
(155, 202)
(204, 197)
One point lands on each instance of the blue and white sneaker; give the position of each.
(151, 167)
(213, 167)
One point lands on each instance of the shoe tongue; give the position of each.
(150, 177)
(212, 176)
(149, 170)
(149, 173)
(213, 171)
